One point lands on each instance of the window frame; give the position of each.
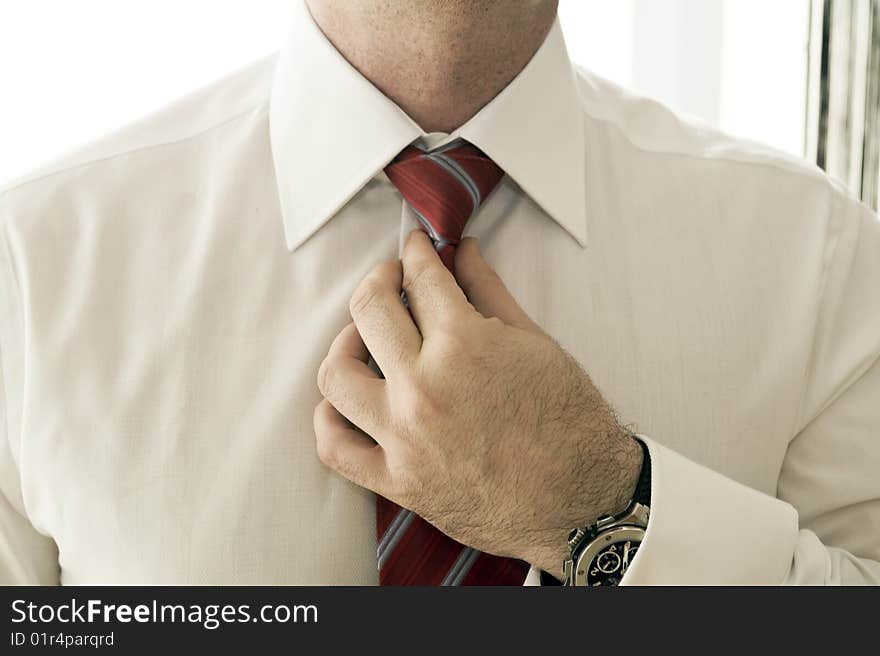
(843, 103)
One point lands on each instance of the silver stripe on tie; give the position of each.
(465, 176)
(455, 170)
(439, 242)
(392, 528)
(392, 537)
(450, 575)
(451, 145)
(461, 567)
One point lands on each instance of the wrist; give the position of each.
(607, 494)
(601, 553)
(629, 462)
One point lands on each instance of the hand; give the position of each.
(482, 425)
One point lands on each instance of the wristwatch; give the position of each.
(602, 552)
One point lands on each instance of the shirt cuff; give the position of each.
(707, 529)
(533, 578)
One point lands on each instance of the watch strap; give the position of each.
(642, 494)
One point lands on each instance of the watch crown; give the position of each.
(575, 536)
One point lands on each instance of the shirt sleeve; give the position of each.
(26, 555)
(822, 526)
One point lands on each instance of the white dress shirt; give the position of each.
(167, 294)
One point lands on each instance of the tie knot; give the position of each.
(444, 187)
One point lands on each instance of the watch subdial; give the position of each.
(608, 562)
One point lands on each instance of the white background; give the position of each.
(71, 71)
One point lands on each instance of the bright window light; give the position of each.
(72, 71)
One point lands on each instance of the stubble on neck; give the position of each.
(440, 61)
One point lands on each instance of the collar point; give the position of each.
(579, 234)
(296, 238)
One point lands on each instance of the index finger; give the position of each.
(434, 297)
(382, 320)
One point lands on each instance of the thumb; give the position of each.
(485, 289)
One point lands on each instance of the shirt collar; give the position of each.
(332, 131)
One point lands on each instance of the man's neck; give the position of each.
(441, 62)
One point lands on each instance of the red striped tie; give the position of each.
(444, 187)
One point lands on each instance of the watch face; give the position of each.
(610, 564)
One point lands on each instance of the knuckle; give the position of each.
(420, 407)
(452, 340)
(326, 375)
(326, 452)
(364, 296)
(323, 443)
(416, 274)
(494, 324)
